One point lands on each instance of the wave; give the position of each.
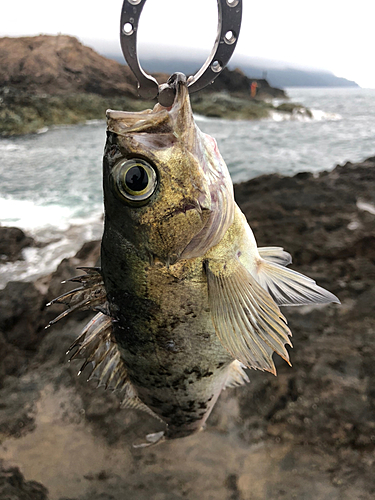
(8, 146)
(42, 260)
(39, 217)
(303, 115)
(42, 130)
(95, 121)
(202, 118)
(33, 217)
(320, 115)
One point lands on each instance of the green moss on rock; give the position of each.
(23, 114)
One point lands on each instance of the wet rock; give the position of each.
(307, 433)
(12, 241)
(20, 314)
(13, 485)
(13, 359)
(60, 64)
(237, 83)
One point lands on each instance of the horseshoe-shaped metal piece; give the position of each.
(230, 14)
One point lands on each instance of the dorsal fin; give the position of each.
(91, 295)
(97, 347)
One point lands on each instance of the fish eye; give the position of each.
(135, 179)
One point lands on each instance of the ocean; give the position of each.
(51, 182)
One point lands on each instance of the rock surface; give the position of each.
(308, 433)
(60, 64)
(14, 487)
(237, 83)
(12, 241)
(50, 80)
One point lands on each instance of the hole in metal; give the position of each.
(229, 37)
(134, 2)
(127, 29)
(232, 3)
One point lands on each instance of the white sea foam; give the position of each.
(320, 115)
(201, 118)
(42, 130)
(60, 232)
(7, 146)
(94, 122)
(32, 216)
(302, 115)
(58, 244)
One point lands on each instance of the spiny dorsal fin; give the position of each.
(275, 254)
(236, 375)
(91, 295)
(289, 288)
(247, 321)
(97, 347)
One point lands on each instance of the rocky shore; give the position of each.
(54, 80)
(308, 433)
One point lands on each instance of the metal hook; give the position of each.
(229, 14)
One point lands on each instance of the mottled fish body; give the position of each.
(186, 298)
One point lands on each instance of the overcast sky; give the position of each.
(327, 34)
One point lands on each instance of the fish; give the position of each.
(185, 301)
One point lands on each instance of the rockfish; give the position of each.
(186, 300)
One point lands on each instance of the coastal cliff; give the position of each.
(51, 80)
(307, 433)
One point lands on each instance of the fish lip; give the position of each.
(186, 207)
(160, 119)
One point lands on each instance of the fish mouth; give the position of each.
(183, 209)
(176, 120)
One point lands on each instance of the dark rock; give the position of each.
(60, 64)
(307, 433)
(50, 80)
(12, 242)
(237, 83)
(14, 487)
(21, 305)
(12, 361)
(90, 251)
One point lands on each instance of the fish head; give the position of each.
(167, 190)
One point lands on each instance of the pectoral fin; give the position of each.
(247, 321)
(276, 255)
(289, 288)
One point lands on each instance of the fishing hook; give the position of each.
(229, 16)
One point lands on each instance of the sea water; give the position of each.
(51, 186)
